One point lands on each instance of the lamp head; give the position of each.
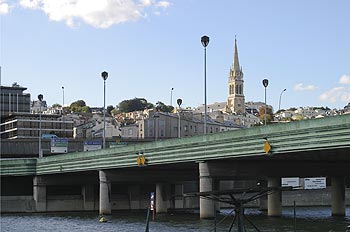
(104, 75)
(40, 97)
(205, 41)
(265, 82)
(179, 101)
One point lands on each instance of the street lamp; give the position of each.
(279, 103)
(179, 102)
(62, 98)
(62, 113)
(205, 42)
(104, 76)
(265, 84)
(171, 96)
(40, 98)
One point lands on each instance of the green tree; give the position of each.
(79, 103)
(56, 105)
(85, 109)
(79, 106)
(134, 105)
(114, 111)
(164, 108)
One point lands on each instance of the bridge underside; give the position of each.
(334, 162)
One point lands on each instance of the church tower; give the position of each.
(235, 101)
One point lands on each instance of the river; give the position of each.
(315, 219)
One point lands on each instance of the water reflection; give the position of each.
(307, 220)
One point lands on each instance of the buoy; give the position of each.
(103, 219)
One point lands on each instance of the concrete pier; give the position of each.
(105, 194)
(39, 194)
(274, 200)
(206, 207)
(338, 196)
(162, 195)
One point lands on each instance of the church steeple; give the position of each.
(235, 101)
(235, 65)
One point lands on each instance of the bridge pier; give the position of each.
(162, 195)
(338, 196)
(206, 207)
(274, 200)
(105, 194)
(39, 194)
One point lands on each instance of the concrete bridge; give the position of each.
(111, 178)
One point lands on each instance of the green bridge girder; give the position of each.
(329, 133)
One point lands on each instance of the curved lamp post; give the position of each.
(205, 42)
(104, 76)
(179, 102)
(40, 98)
(265, 84)
(279, 103)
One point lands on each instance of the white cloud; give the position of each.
(4, 7)
(146, 2)
(336, 94)
(163, 4)
(31, 4)
(345, 80)
(302, 87)
(97, 13)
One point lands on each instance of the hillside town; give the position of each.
(22, 117)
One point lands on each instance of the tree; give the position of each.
(85, 109)
(114, 111)
(135, 104)
(164, 108)
(56, 105)
(79, 106)
(79, 103)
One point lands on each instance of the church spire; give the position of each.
(235, 64)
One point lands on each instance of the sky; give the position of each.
(149, 47)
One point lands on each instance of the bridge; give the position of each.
(317, 147)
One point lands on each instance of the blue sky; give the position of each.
(151, 46)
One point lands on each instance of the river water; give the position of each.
(315, 219)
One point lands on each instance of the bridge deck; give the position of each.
(330, 133)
